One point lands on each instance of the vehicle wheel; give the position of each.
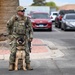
(33, 29)
(55, 24)
(61, 27)
(50, 29)
(64, 28)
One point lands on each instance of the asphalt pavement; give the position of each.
(46, 59)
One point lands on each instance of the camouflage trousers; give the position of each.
(13, 52)
(29, 45)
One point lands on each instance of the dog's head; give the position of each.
(20, 41)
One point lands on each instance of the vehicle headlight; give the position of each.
(32, 20)
(67, 23)
(49, 21)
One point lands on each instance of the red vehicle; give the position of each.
(41, 20)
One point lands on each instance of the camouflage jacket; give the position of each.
(11, 22)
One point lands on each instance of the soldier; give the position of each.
(19, 26)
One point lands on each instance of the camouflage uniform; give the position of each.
(11, 24)
(30, 32)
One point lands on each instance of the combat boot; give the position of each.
(28, 67)
(11, 67)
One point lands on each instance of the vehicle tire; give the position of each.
(50, 29)
(61, 27)
(55, 25)
(64, 28)
(58, 26)
(33, 29)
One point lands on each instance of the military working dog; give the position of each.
(20, 54)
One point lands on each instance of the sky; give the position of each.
(58, 2)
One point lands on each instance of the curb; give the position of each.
(40, 52)
(56, 52)
(36, 49)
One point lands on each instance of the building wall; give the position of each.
(7, 9)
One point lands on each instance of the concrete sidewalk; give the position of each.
(39, 50)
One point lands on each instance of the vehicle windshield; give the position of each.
(70, 17)
(40, 15)
(55, 14)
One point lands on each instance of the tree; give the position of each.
(38, 2)
(51, 4)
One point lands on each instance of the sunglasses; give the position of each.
(22, 10)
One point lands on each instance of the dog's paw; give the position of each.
(24, 69)
(16, 69)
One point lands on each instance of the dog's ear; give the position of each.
(17, 42)
(20, 42)
(23, 43)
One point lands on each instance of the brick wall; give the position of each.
(7, 9)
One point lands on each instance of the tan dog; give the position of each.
(20, 56)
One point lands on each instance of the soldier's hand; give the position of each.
(10, 37)
(30, 39)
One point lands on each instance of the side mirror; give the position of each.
(29, 17)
